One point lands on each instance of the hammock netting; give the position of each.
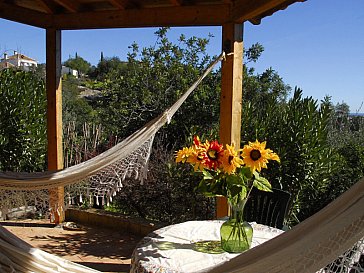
(330, 241)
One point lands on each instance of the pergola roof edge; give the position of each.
(87, 15)
(155, 17)
(256, 20)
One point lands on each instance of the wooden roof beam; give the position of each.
(70, 5)
(120, 4)
(125, 4)
(176, 2)
(17, 14)
(250, 10)
(49, 6)
(169, 16)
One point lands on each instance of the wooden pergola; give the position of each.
(57, 15)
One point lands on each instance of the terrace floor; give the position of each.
(101, 249)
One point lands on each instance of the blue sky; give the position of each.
(317, 45)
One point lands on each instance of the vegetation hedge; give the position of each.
(23, 139)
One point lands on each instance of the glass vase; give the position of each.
(236, 234)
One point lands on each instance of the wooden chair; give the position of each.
(267, 208)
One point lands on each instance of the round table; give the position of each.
(188, 247)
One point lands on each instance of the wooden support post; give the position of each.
(231, 94)
(54, 119)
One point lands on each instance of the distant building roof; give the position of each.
(20, 56)
(17, 60)
(6, 65)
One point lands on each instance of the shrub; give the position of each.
(347, 141)
(23, 137)
(298, 131)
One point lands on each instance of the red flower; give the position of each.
(214, 153)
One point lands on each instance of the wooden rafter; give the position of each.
(49, 6)
(176, 2)
(70, 5)
(120, 4)
(168, 16)
(17, 14)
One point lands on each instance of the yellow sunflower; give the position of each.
(196, 159)
(230, 160)
(184, 154)
(256, 156)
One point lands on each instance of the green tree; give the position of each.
(22, 121)
(253, 53)
(106, 67)
(259, 88)
(78, 63)
(153, 80)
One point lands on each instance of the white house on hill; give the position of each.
(69, 71)
(18, 61)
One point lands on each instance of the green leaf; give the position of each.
(262, 183)
(245, 172)
(243, 192)
(207, 175)
(234, 180)
(202, 186)
(235, 190)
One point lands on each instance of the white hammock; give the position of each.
(138, 140)
(307, 248)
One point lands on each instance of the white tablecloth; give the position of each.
(172, 249)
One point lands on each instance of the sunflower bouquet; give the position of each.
(230, 173)
(226, 171)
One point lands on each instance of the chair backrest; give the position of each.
(268, 208)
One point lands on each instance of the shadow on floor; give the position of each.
(101, 249)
